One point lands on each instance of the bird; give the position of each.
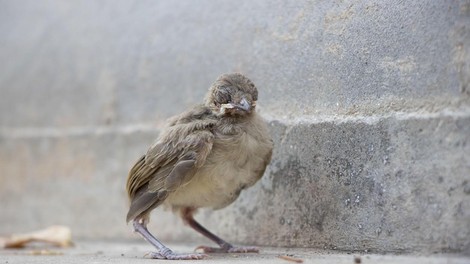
(202, 158)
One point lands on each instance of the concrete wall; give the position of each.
(368, 103)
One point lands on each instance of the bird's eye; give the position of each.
(223, 96)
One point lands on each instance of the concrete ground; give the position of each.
(134, 252)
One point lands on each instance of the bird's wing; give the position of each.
(168, 164)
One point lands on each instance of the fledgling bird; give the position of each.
(204, 157)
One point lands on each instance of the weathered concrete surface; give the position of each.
(379, 185)
(386, 184)
(368, 103)
(101, 252)
(127, 60)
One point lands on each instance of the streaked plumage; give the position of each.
(203, 158)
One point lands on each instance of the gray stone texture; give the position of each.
(368, 103)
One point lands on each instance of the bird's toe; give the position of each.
(174, 256)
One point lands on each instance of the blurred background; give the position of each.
(368, 103)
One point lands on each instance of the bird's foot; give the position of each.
(174, 256)
(231, 249)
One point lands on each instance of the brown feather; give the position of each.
(206, 156)
(170, 162)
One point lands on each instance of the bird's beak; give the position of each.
(243, 105)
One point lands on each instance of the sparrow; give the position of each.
(203, 158)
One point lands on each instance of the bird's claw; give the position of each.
(206, 249)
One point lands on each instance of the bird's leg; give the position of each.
(225, 247)
(163, 252)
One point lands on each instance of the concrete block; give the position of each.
(77, 180)
(385, 185)
(127, 60)
(394, 185)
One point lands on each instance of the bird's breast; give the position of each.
(234, 163)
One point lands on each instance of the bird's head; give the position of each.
(232, 95)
